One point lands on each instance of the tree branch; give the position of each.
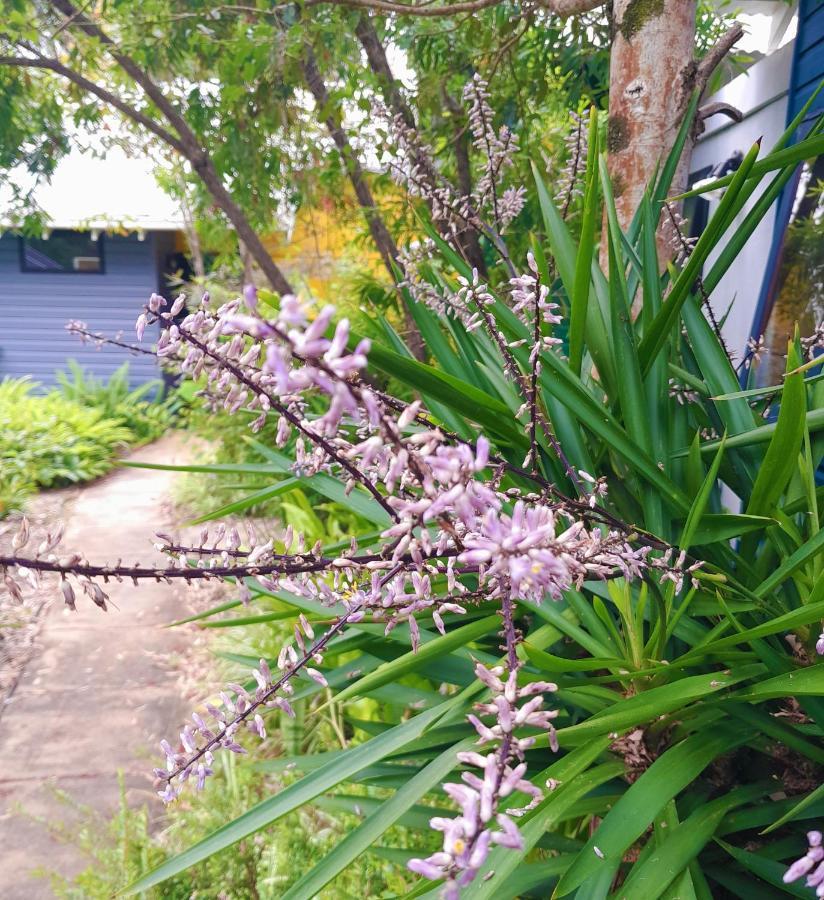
(53, 65)
(385, 243)
(379, 64)
(562, 8)
(187, 144)
(719, 108)
(715, 54)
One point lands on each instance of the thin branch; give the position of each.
(720, 108)
(716, 53)
(53, 65)
(562, 8)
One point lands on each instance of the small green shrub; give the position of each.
(140, 410)
(48, 441)
(74, 433)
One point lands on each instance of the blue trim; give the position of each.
(806, 10)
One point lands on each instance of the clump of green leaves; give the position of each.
(143, 410)
(73, 434)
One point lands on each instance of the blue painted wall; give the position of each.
(34, 308)
(807, 74)
(808, 65)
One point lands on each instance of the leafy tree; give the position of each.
(226, 89)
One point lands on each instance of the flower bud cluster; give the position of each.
(42, 557)
(498, 149)
(576, 143)
(482, 823)
(810, 864)
(248, 360)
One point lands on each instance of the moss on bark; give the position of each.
(637, 14)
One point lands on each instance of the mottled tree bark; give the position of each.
(652, 76)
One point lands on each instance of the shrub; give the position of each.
(47, 441)
(73, 434)
(547, 521)
(143, 411)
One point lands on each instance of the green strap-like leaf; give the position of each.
(657, 701)
(806, 681)
(805, 552)
(699, 505)
(295, 795)
(781, 459)
(649, 880)
(360, 839)
(645, 799)
(411, 661)
(583, 261)
(667, 318)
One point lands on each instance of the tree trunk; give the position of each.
(333, 121)
(208, 174)
(652, 75)
(466, 240)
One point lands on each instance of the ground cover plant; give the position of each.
(71, 434)
(147, 410)
(624, 686)
(47, 441)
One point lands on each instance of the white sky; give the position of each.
(118, 190)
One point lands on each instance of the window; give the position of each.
(796, 288)
(697, 209)
(62, 251)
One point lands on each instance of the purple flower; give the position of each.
(813, 857)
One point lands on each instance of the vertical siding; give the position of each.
(34, 308)
(808, 67)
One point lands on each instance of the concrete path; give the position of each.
(99, 691)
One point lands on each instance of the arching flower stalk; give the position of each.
(449, 524)
(219, 730)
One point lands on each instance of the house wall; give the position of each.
(761, 95)
(809, 60)
(35, 307)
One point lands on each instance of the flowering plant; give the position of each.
(622, 671)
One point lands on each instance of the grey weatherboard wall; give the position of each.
(35, 307)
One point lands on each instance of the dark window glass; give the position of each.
(696, 209)
(62, 251)
(796, 293)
